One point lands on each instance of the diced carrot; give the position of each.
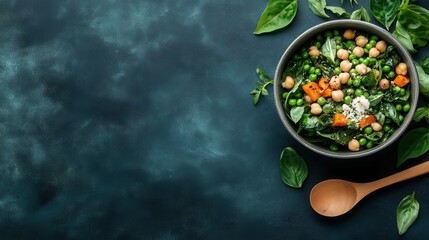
(367, 121)
(401, 80)
(324, 83)
(326, 93)
(312, 90)
(340, 120)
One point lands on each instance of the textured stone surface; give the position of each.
(133, 120)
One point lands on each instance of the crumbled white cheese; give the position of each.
(357, 110)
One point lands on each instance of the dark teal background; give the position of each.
(133, 120)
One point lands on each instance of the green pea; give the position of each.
(355, 62)
(350, 82)
(362, 141)
(353, 71)
(372, 61)
(304, 55)
(312, 77)
(298, 95)
(338, 47)
(396, 89)
(350, 91)
(372, 42)
(318, 44)
(359, 92)
(348, 100)
(386, 128)
(318, 72)
(398, 107)
(337, 70)
(366, 94)
(386, 68)
(300, 102)
(321, 101)
(365, 50)
(374, 37)
(312, 70)
(306, 67)
(406, 107)
(307, 61)
(370, 144)
(402, 92)
(401, 118)
(361, 60)
(391, 74)
(352, 56)
(368, 46)
(336, 32)
(358, 77)
(292, 102)
(328, 34)
(366, 62)
(356, 82)
(284, 95)
(327, 108)
(333, 147)
(367, 130)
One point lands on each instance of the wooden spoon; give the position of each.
(334, 197)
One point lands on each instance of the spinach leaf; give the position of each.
(389, 111)
(413, 144)
(374, 100)
(380, 117)
(341, 136)
(296, 113)
(414, 19)
(369, 80)
(361, 14)
(261, 85)
(424, 63)
(423, 81)
(402, 35)
(277, 14)
(385, 11)
(318, 7)
(421, 113)
(339, 11)
(293, 168)
(310, 122)
(406, 213)
(329, 49)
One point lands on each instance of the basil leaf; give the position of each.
(341, 136)
(385, 11)
(375, 99)
(361, 14)
(402, 35)
(318, 7)
(277, 14)
(389, 111)
(293, 168)
(310, 122)
(415, 19)
(423, 81)
(406, 213)
(413, 144)
(296, 113)
(339, 11)
(421, 113)
(424, 63)
(329, 49)
(369, 80)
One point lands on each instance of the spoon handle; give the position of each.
(406, 174)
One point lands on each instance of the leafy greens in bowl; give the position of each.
(346, 88)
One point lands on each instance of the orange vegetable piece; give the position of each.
(340, 120)
(312, 90)
(324, 83)
(367, 121)
(326, 93)
(401, 80)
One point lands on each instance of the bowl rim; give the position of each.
(345, 24)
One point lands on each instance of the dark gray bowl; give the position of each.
(343, 24)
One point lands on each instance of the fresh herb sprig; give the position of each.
(260, 90)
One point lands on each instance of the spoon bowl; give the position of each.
(335, 197)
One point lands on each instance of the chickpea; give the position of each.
(316, 109)
(349, 34)
(384, 84)
(381, 46)
(346, 65)
(354, 145)
(307, 98)
(361, 69)
(401, 68)
(313, 47)
(358, 52)
(314, 52)
(337, 95)
(376, 126)
(342, 54)
(344, 77)
(373, 52)
(288, 83)
(335, 83)
(361, 41)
